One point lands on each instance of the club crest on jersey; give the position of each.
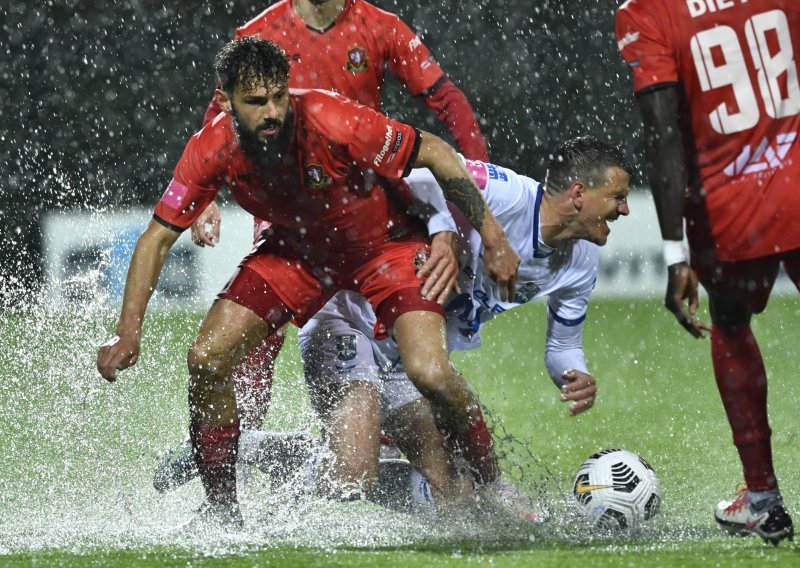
(526, 292)
(357, 60)
(346, 347)
(316, 178)
(420, 258)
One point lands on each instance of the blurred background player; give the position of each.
(255, 148)
(344, 46)
(717, 85)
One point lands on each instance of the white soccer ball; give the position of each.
(617, 490)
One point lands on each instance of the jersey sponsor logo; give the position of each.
(766, 156)
(496, 172)
(526, 292)
(414, 43)
(387, 141)
(357, 60)
(627, 39)
(315, 176)
(346, 347)
(174, 194)
(584, 487)
(397, 141)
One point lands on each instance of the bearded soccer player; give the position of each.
(319, 169)
(343, 46)
(717, 85)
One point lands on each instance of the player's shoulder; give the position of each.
(317, 100)
(643, 8)
(217, 135)
(271, 17)
(364, 9)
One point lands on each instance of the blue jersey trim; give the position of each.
(536, 208)
(565, 321)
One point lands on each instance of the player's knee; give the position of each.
(204, 360)
(431, 377)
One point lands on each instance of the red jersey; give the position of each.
(326, 198)
(737, 62)
(350, 55)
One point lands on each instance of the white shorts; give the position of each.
(334, 351)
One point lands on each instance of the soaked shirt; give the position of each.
(737, 63)
(328, 199)
(565, 275)
(351, 55)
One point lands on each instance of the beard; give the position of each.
(265, 152)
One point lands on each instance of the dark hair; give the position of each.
(245, 62)
(586, 159)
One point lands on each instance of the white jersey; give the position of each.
(565, 275)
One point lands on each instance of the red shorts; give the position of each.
(748, 281)
(387, 280)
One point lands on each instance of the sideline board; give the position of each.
(87, 256)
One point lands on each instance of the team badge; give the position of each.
(346, 347)
(526, 292)
(316, 178)
(357, 60)
(420, 258)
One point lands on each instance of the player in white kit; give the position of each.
(556, 229)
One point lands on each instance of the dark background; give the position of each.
(99, 97)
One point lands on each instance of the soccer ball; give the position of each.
(617, 490)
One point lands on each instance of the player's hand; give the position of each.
(205, 230)
(441, 270)
(119, 352)
(581, 390)
(682, 287)
(502, 264)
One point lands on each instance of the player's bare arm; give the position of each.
(500, 259)
(148, 258)
(666, 168)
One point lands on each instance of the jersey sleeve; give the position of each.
(643, 38)
(501, 188)
(409, 59)
(195, 182)
(568, 305)
(373, 140)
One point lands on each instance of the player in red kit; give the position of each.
(717, 85)
(344, 46)
(319, 168)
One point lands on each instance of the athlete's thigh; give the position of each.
(422, 343)
(389, 282)
(738, 286)
(335, 353)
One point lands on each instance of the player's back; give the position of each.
(737, 62)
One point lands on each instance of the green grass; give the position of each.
(77, 452)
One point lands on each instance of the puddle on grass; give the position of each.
(78, 457)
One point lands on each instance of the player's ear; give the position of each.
(222, 99)
(576, 194)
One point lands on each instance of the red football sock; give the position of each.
(478, 449)
(742, 382)
(215, 450)
(253, 381)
